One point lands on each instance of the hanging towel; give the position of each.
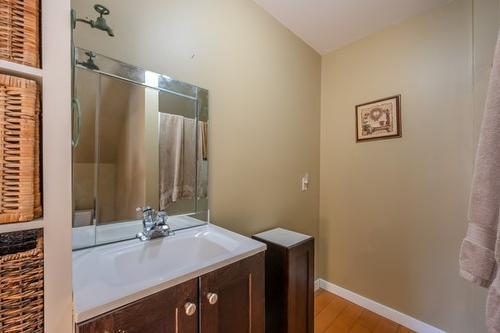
(202, 182)
(480, 251)
(203, 140)
(177, 143)
(189, 160)
(171, 133)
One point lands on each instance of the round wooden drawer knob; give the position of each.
(190, 308)
(212, 298)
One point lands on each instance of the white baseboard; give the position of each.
(316, 284)
(382, 310)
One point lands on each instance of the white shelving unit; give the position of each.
(11, 227)
(57, 194)
(27, 72)
(55, 81)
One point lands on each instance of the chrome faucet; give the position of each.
(154, 224)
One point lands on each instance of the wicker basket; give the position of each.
(20, 198)
(21, 290)
(20, 31)
(13, 242)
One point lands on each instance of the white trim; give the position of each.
(380, 309)
(316, 284)
(21, 226)
(12, 68)
(56, 138)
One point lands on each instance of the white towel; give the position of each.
(171, 132)
(480, 252)
(177, 158)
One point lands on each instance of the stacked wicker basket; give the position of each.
(21, 282)
(21, 253)
(20, 31)
(20, 198)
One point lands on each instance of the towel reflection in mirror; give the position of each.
(178, 157)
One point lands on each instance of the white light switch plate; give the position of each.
(305, 182)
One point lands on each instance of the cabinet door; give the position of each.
(164, 312)
(232, 298)
(301, 288)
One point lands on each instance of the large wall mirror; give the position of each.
(140, 139)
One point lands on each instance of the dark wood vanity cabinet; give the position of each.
(164, 312)
(230, 299)
(240, 302)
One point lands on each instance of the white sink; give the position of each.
(147, 263)
(110, 276)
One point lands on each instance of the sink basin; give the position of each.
(151, 260)
(107, 277)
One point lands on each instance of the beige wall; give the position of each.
(264, 88)
(393, 213)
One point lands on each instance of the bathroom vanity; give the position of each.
(141, 140)
(201, 279)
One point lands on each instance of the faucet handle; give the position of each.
(162, 217)
(91, 55)
(144, 210)
(148, 215)
(101, 9)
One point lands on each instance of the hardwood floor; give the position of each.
(337, 315)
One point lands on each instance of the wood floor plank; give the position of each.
(345, 320)
(369, 320)
(402, 329)
(386, 326)
(337, 315)
(357, 328)
(321, 301)
(328, 315)
(366, 322)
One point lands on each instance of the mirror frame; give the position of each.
(123, 71)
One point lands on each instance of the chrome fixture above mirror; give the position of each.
(99, 23)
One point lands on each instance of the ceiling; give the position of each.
(329, 24)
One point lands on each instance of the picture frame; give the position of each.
(379, 120)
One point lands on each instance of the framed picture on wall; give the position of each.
(380, 119)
